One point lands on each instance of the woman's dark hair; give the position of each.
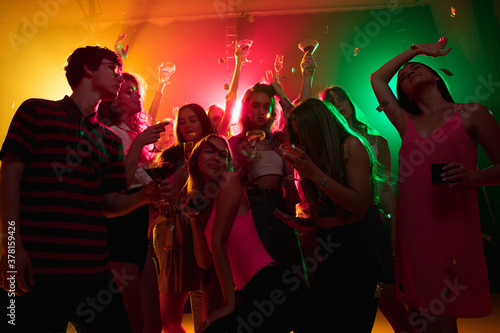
(91, 56)
(259, 88)
(327, 95)
(175, 153)
(411, 106)
(202, 117)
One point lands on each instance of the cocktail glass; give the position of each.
(248, 43)
(252, 138)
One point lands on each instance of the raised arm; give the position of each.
(381, 77)
(308, 67)
(232, 95)
(121, 50)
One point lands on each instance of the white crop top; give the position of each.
(270, 163)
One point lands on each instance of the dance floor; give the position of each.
(490, 324)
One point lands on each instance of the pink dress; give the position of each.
(440, 264)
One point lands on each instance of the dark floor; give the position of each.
(490, 324)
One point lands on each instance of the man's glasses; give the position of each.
(117, 71)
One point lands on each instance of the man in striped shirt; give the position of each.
(62, 172)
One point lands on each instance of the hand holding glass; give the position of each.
(159, 171)
(248, 43)
(252, 138)
(166, 70)
(292, 149)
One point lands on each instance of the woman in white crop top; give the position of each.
(263, 177)
(224, 232)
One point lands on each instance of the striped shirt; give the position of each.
(70, 160)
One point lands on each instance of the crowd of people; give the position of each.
(292, 224)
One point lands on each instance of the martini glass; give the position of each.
(291, 149)
(248, 43)
(252, 138)
(308, 45)
(166, 70)
(159, 171)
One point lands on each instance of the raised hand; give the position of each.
(119, 48)
(434, 50)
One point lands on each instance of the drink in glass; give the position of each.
(166, 69)
(252, 138)
(248, 43)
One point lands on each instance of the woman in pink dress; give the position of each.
(440, 266)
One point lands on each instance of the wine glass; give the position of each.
(291, 148)
(188, 148)
(248, 43)
(308, 45)
(252, 138)
(278, 64)
(159, 171)
(165, 70)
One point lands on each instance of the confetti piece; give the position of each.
(248, 17)
(382, 106)
(452, 260)
(453, 12)
(447, 72)
(226, 86)
(261, 61)
(378, 291)
(293, 70)
(356, 50)
(12, 106)
(326, 33)
(221, 60)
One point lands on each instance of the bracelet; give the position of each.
(323, 182)
(415, 48)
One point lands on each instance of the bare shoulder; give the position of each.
(229, 183)
(352, 146)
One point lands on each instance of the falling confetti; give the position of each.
(221, 60)
(226, 86)
(378, 291)
(382, 106)
(453, 13)
(12, 106)
(326, 33)
(248, 17)
(447, 72)
(293, 70)
(453, 261)
(356, 50)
